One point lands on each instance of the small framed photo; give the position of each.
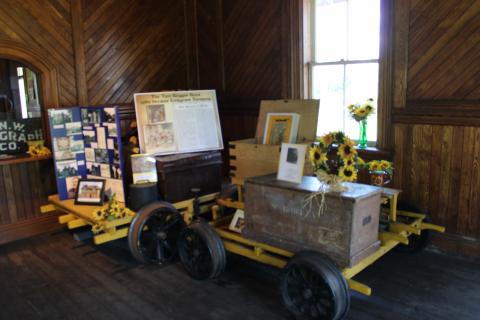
(90, 192)
(292, 160)
(238, 221)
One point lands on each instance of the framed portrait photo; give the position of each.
(238, 222)
(90, 192)
(292, 160)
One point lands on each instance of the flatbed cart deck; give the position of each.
(401, 226)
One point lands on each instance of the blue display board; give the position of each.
(86, 143)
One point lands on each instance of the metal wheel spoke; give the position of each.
(160, 251)
(168, 224)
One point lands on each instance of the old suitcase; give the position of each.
(178, 174)
(250, 157)
(347, 231)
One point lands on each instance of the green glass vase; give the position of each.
(362, 138)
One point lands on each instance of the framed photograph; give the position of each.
(292, 160)
(90, 192)
(238, 221)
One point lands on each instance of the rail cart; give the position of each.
(196, 230)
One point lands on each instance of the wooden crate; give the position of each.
(249, 157)
(347, 231)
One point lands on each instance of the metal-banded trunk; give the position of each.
(347, 231)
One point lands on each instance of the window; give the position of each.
(345, 41)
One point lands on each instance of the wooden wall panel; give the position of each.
(444, 50)
(45, 27)
(24, 187)
(133, 47)
(436, 134)
(438, 169)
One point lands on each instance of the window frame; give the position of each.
(385, 67)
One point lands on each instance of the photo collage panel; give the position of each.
(87, 144)
(68, 149)
(101, 129)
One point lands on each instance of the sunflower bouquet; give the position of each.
(341, 167)
(361, 112)
(111, 212)
(380, 165)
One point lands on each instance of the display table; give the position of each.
(76, 216)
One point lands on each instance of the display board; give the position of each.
(178, 122)
(87, 144)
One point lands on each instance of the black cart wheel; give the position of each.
(416, 243)
(154, 233)
(201, 251)
(314, 288)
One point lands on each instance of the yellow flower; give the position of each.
(346, 151)
(348, 162)
(360, 112)
(316, 155)
(97, 228)
(97, 215)
(360, 162)
(348, 173)
(326, 139)
(133, 140)
(384, 165)
(374, 165)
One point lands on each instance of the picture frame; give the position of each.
(238, 222)
(291, 163)
(90, 192)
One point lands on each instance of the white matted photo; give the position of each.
(73, 128)
(112, 129)
(90, 154)
(292, 160)
(238, 222)
(105, 170)
(72, 184)
(61, 144)
(101, 138)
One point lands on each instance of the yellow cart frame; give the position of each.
(76, 216)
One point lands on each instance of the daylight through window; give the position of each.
(345, 43)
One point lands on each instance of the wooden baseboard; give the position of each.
(457, 245)
(29, 228)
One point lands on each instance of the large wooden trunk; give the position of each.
(276, 213)
(178, 174)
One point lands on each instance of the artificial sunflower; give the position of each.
(327, 170)
(361, 112)
(97, 228)
(346, 151)
(348, 173)
(384, 165)
(373, 166)
(316, 155)
(326, 140)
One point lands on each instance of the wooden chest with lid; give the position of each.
(347, 231)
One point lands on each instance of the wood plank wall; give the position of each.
(437, 131)
(250, 50)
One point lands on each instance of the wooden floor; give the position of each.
(55, 277)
